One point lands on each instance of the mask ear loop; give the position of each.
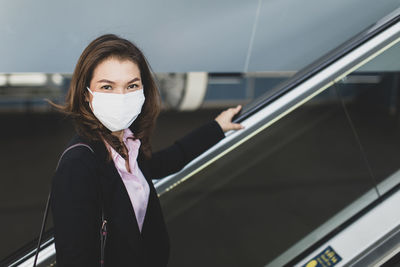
(87, 87)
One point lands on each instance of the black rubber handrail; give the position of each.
(318, 65)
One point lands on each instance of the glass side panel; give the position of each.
(271, 192)
(372, 99)
(257, 201)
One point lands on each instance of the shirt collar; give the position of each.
(127, 133)
(131, 146)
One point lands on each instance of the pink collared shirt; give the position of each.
(134, 181)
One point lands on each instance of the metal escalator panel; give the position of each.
(373, 239)
(290, 178)
(370, 98)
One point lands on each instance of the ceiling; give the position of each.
(181, 35)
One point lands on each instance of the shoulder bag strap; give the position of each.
(103, 232)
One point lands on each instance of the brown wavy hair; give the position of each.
(86, 124)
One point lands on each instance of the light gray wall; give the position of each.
(181, 35)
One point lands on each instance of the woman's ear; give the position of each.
(87, 96)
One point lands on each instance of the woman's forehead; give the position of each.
(116, 70)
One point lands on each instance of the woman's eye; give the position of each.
(106, 87)
(132, 86)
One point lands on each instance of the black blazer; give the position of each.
(83, 177)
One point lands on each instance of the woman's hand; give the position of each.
(224, 119)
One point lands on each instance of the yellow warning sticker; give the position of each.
(327, 258)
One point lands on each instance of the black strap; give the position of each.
(42, 229)
(103, 230)
(103, 237)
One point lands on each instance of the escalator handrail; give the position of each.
(319, 65)
(320, 74)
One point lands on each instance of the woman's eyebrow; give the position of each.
(133, 80)
(108, 81)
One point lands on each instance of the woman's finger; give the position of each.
(234, 111)
(234, 126)
(237, 109)
(237, 126)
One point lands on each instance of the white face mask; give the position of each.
(117, 111)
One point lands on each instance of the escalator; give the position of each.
(317, 159)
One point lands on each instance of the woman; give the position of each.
(109, 167)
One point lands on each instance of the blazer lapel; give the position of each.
(152, 194)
